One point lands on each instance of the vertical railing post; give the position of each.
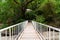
(53, 35)
(18, 29)
(14, 33)
(34, 23)
(22, 25)
(49, 34)
(0, 35)
(6, 34)
(59, 35)
(10, 33)
(41, 28)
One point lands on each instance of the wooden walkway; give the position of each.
(29, 33)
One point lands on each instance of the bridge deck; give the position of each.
(29, 33)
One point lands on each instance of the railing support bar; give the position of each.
(59, 35)
(0, 35)
(49, 34)
(53, 35)
(10, 33)
(6, 34)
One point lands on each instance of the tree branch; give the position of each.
(16, 2)
(29, 2)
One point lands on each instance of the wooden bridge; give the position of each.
(30, 31)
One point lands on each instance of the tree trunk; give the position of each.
(23, 10)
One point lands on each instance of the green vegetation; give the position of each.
(15, 11)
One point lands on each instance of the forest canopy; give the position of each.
(15, 11)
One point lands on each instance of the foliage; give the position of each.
(30, 15)
(40, 19)
(15, 11)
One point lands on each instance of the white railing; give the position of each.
(12, 32)
(47, 32)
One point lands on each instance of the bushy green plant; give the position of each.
(30, 15)
(40, 19)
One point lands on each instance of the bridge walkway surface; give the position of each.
(29, 33)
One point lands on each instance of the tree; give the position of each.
(23, 6)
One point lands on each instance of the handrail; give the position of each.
(9, 27)
(50, 26)
(34, 25)
(47, 32)
(13, 30)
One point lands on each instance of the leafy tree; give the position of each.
(15, 11)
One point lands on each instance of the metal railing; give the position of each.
(47, 32)
(12, 32)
